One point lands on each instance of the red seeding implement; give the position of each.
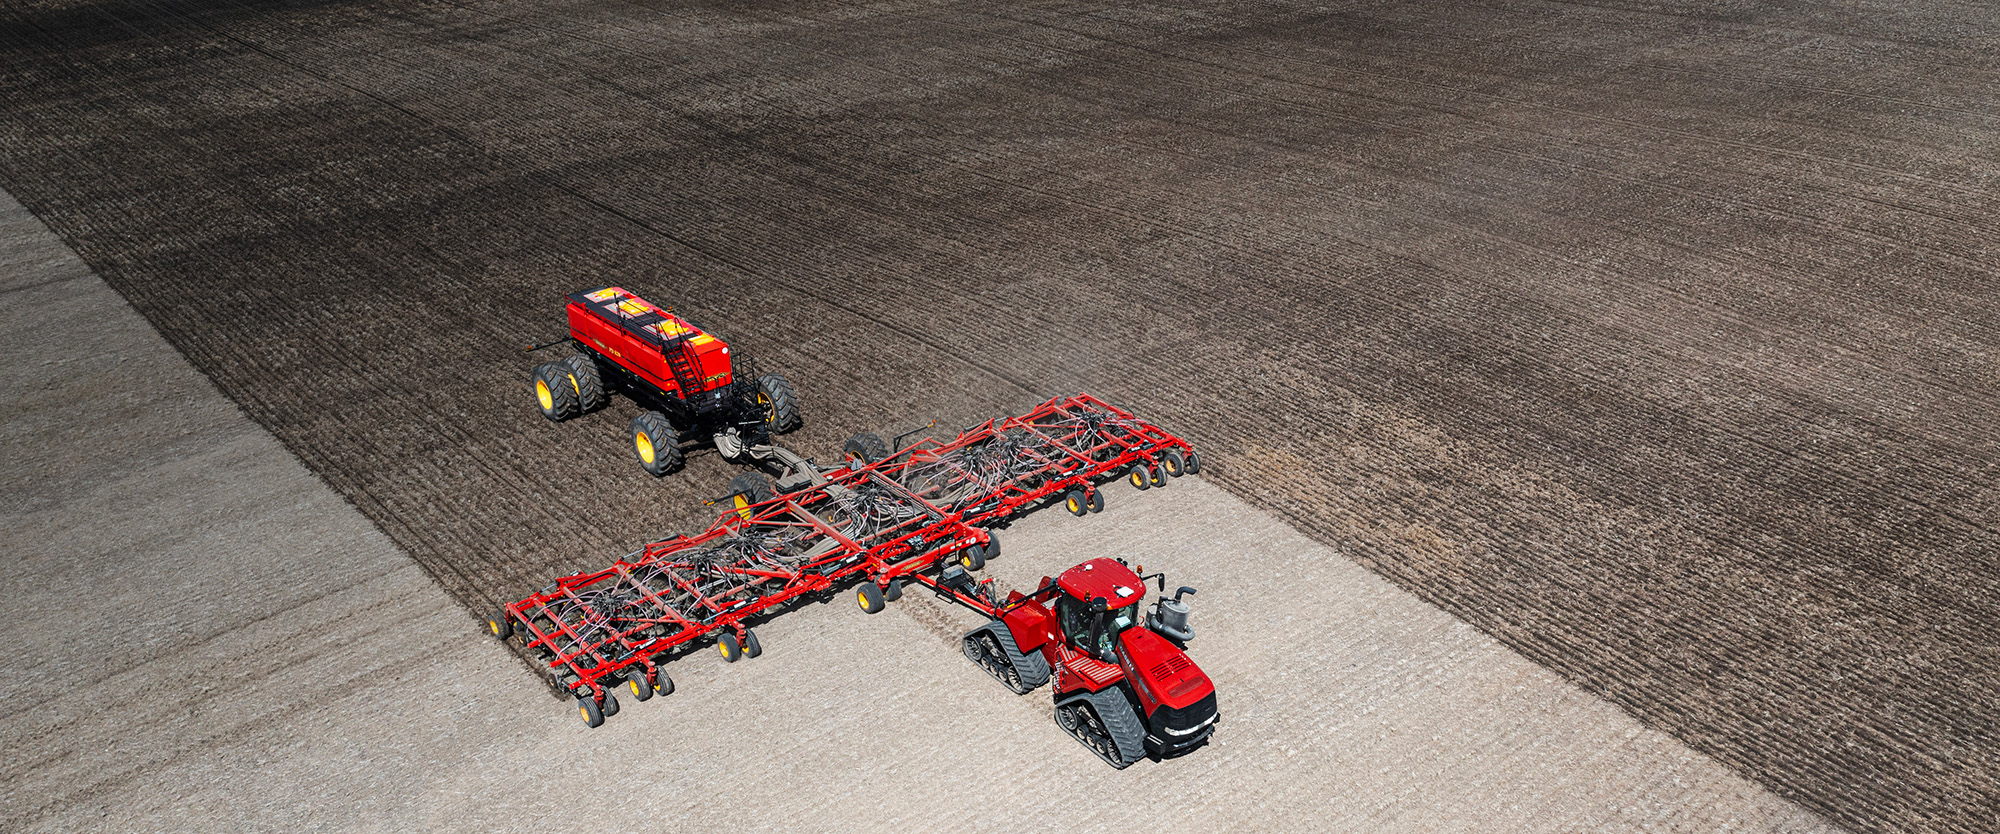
(686, 378)
(1124, 685)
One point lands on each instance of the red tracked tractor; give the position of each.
(690, 382)
(1123, 684)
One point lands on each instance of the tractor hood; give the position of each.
(1165, 673)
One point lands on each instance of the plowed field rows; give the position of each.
(1656, 339)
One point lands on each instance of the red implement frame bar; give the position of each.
(902, 517)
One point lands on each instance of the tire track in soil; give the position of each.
(1610, 488)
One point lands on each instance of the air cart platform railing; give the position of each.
(903, 518)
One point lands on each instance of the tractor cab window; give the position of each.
(1077, 621)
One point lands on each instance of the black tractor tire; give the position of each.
(655, 444)
(869, 596)
(869, 447)
(781, 405)
(1158, 475)
(593, 715)
(588, 383)
(749, 488)
(751, 647)
(642, 689)
(1097, 501)
(730, 647)
(610, 705)
(664, 685)
(1173, 464)
(553, 393)
(1138, 477)
(499, 625)
(1076, 503)
(1115, 717)
(992, 546)
(894, 591)
(1194, 463)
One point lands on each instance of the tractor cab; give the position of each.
(1099, 600)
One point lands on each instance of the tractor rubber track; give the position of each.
(1660, 341)
(1106, 725)
(1029, 670)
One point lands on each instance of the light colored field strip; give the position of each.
(201, 635)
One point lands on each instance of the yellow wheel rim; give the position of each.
(723, 648)
(585, 712)
(1138, 478)
(862, 597)
(645, 445)
(1074, 506)
(495, 625)
(575, 387)
(743, 508)
(635, 687)
(966, 560)
(542, 393)
(770, 411)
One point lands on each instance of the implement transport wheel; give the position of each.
(1172, 464)
(1076, 503)
(730, 647)
(894, 591)
(973, 558)
(553, 392)
(587, 381)
(1097, 501)
(1139, 477)
(642, 689)
(1158, 475)
(1194, 463)
(781, 406)
(869, 595)
(655, 443)
(992, 546)
(610, 705)
(751, 648)
(747, 489)
(497, 623)
(867, 447)
(593, 715)
(664, 685)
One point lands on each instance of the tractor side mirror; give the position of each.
(1097, 607)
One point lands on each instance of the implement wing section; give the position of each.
(902, 517)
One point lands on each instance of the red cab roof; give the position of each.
(1104, 578)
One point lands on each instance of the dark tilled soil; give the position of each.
(1655, 338)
